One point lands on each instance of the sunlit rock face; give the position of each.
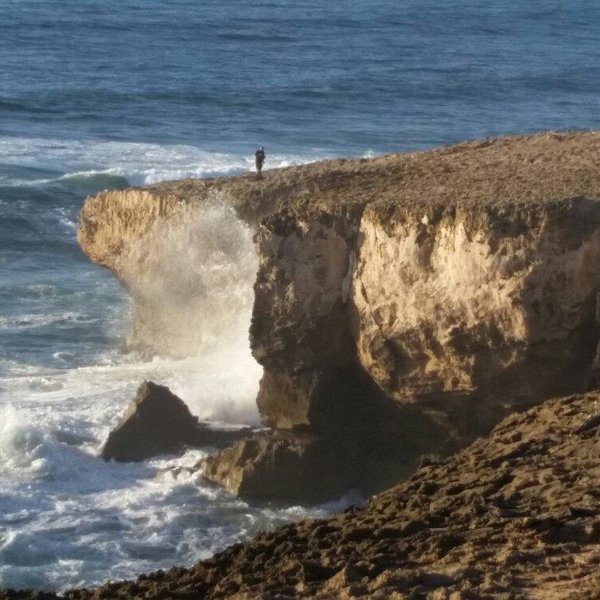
(459, 283)
(498, 302)
(405, 303)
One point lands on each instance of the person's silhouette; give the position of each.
(259, 157)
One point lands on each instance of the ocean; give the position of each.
(103, 94)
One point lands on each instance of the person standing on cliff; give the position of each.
(259, 157)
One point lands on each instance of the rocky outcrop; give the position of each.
(292, 468)
(408, 301)
(461, 282)
(465, 300)
(165, 252)
(159, 422)
(167, 244)
(515, 515)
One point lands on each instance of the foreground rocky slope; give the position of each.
(403, 304)
(515, 515)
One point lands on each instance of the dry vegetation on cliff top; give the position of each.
(515, 515)
(523, 169)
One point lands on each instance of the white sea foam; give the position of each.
(67, 518)
(66, 219)
(138, 163)
(21, 444)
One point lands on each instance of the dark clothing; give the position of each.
(259, 156)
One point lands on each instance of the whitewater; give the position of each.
(67, 518)
(106, 94)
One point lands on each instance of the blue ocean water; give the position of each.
(98, 94)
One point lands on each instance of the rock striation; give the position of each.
(403, 304)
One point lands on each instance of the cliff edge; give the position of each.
(403, 304)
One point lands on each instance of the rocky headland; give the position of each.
(403, 304)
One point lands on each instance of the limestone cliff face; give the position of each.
(408, 300)
(300, 326)
(435, 305)
(446, 289)
(459, 301)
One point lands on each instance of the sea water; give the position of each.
(102, 94)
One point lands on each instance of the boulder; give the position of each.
(291, 467)
(278, 466)
(159, 422)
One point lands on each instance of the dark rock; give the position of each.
(301, 466)
(158, 422)
(339, 425)
(281, 467)
(590, 425)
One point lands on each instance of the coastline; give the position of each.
(450, 288)
(513, 515)
(403, 304)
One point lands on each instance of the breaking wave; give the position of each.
(68, 518)
(116, 164)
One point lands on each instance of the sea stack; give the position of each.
(159, 422)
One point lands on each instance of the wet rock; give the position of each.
(159, 422)
(358, 439)
(299, 466)
(281, 467)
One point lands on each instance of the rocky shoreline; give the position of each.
(404, 306)
(515, 515)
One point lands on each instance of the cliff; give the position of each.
(403, 304)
